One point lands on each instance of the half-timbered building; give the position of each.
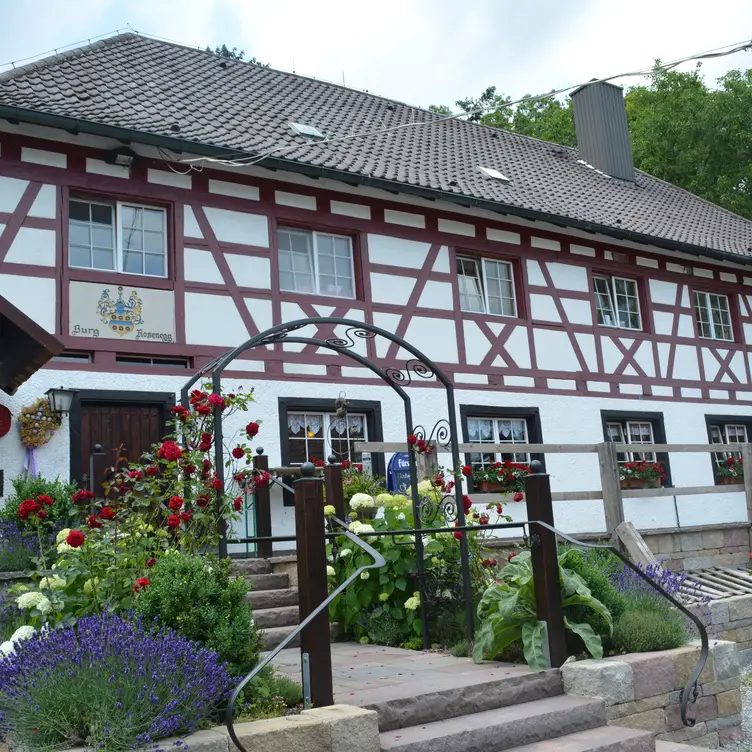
(159, 205)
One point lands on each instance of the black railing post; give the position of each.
(262, 509)
(312, 582)
(545, 561)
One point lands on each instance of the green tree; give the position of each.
(235, 54)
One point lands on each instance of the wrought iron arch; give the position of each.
(420, 366)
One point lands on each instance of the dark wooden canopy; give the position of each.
(24, 347)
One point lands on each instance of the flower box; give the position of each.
(730, 480)
(490, 486)
(632, 483)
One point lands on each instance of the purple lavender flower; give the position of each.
(17, 548)
(55, 690)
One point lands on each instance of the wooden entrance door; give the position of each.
(124, 430)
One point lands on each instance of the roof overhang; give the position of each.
(129, 135)
(24, 347)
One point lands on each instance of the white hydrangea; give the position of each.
(400, 501)
(401, 517)
(360, 527)
(52, 583)
(6, 648)
(64, 548)
(345, 553)
(365, 575)
(413, 604)
(44, 606)
(384, 500)
(22, 633)
(27, 601)
(330, 571)
(62, 535)
(362, 501)
(329, 511)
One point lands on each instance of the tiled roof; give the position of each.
(163, 89)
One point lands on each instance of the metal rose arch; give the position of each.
(444, 433)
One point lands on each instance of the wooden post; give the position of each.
(428, 465)
(747, 465)
(312, 582)
(613, 505)
(262, 507)
(334, 492)
(545, 560)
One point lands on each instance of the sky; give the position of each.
(417, 51)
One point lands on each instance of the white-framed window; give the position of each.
(486, 286)
(617, 302)
(317, 435)
(632, 432)
(727, 433)
(713, 316)
(117, 236)
(497, 431)
(316, 263)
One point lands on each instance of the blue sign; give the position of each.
(398, 473)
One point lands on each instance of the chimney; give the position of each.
(600, 123)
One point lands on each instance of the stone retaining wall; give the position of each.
(642, 691)
(8, 579)
(731, 619)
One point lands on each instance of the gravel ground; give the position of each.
(746, 745)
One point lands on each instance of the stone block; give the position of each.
(299, 732)
(705, 709)
(724, 685)
(651, 720)
(733, 734)
(351, 728)
(729, 703)
(210, 740)
(661, 544)
(712, 539)
(745, 659)
(685, 733)
(725, 660)
(701, 562)
(685, 660)
(638, 706)
(653, 673)
(611, 680)
(709, 741)
(675, 564)
(726, 722)
(742, 634)
(719, 612)
(738, 536)
(691, 541)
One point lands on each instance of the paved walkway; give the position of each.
(364, 674)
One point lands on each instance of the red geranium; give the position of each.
(75, 539)
(93, 522)
(238, 452)
(237, 503)
(82, 496)
(215, 400)
(170, 451)
(359, 467)
(252, 429)
(467, 471)
(346, 464)
(320, 463)
(175, 502)
(45, 500)
(141, 584)
(27, 508)
(107, 513)
(173, 521)
(412, 440)
(186, 516)
(150, 562)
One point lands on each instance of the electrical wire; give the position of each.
(230, 160)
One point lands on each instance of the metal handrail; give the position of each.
(378, 562)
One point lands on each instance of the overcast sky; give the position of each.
(418, 51)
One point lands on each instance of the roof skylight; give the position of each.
(309, 131)
(490, 172)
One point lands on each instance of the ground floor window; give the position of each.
(727, 430)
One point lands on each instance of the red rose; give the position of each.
(499, 509)
(730, 461)
(173, 521)
(262, 479)
(188, 470)
(252, 429)
(197, 396)
(151, 470)
(320, 463)
(467, 471)
(359, 467)
(170, 451)
(215, 400)
(238, 452)
(202, 501)
(75, 539)
(82, 496)
(136, 475)
(238, 504)
(207, 464)
(150, 562)
(203, 409)
(421, 444)
(412, 440)
(93, 522)
(511, 556)
(177, 410)
(175, 502)
(107, 513)
(42, 515)
(186, 516)
(483, 519)
(518, 496)
(346, 464)
(141, 584)
(216, 484)
(27, 508)
(204, 446)
(45, 500)
(467, 503)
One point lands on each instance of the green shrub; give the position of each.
(383, 629)
(649, 627)
(460, 649)
(198, 598)
(267, 695)
(62, 512)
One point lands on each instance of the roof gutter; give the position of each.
(130, 135)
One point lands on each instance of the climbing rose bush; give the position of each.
(107, 684)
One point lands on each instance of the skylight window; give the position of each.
(303, 129)
(489, 172)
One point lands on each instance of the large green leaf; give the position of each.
(589, 602)
(573, 583)
(589, 637)
(532, 645)
(492, 637)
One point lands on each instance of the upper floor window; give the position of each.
(713, 316)
(486, 286)
(617, 302)
(117, 236)
(316, 263)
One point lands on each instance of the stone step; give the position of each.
(601, 739)
(661, 746)
(261, 599)
(408, 704)
(285, 616)
(268, 581)
(501, 728)
(271, 637)
(251, 566)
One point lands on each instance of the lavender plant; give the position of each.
(107, 683)
(17, 550)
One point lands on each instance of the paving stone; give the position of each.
(729, 703)
(603, 739)
(653, 673)
(272, 598)
(651, 720)
(268, 581)
(704, 709)
(638, 706)
(611, 680)
(285, 616)
(685, 733)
